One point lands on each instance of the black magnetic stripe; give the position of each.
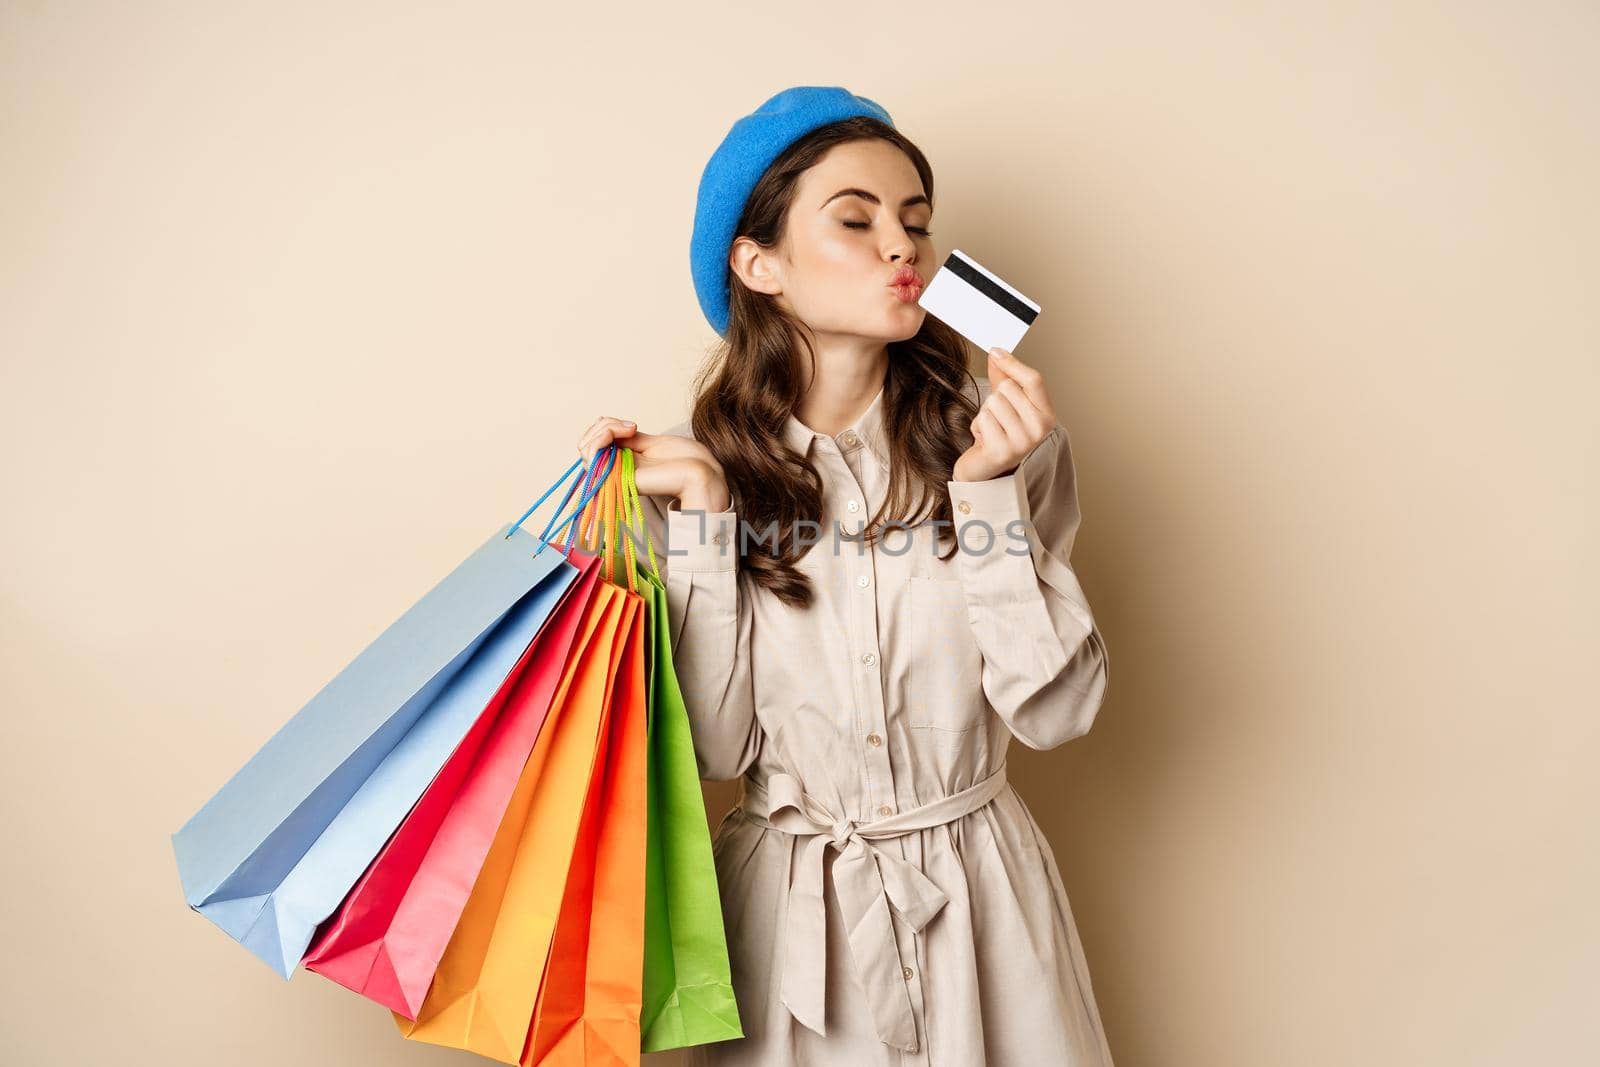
(985, 285)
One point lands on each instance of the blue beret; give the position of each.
(738, 164)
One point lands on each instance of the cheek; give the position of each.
(836, 248)
(835, 269)
(846, 266)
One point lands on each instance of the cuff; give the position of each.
(995, 540)
(702, 540)
(995, 500)
(998, 558)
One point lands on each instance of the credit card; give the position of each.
(975, 303)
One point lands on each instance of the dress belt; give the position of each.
(868, 882)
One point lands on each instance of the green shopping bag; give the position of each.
(688, 985)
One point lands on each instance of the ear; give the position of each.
(755, 266)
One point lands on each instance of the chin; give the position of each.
(905, 327)
(899, 324)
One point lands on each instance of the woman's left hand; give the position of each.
(1016, 416)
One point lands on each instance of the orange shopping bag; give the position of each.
(589, 1001)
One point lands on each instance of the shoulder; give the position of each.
(681, 428)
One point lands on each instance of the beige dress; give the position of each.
(888, 897)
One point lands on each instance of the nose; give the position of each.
(902, 250)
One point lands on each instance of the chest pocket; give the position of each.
(945, 676)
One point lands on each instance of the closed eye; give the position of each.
(866, 225)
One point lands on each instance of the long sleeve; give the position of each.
(1045, 667)
(710, 622)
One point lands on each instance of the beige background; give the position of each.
(298, 300)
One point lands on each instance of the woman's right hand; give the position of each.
(664, 464)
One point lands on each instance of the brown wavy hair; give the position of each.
(755, 377)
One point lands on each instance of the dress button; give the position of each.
(849, 438)
(907, 972)
(913, 1047)
(885, 810)
(874, 740)
(868, 658)
(964, 507)
(863, 581)
(853, 505)
(719, 538)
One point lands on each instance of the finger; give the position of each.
(997, 368)
(640, 443)
(1029, 378)
(1005, 413)
(608, 420)
(1033, 420)
(985, 430)
(623, 433)
(602, 421)
(604, 430)
(590, 431)
(591, 442)
(595, 443)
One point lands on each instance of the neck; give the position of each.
(849, 372)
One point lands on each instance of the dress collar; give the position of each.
(865, 432)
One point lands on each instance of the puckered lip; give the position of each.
(906, 276)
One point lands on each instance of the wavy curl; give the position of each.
(757, 374)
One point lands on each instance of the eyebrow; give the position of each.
(863, 194)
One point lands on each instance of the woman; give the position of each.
(888, 897)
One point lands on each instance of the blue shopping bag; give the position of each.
(274, 852)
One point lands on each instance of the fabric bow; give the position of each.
(868, 883)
